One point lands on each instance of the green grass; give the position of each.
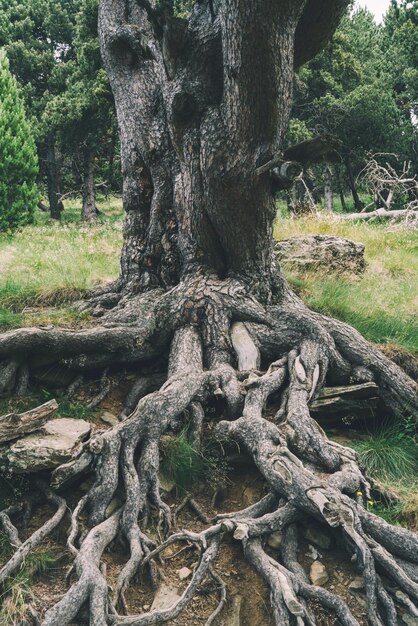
(181, 462)
(47, 266)
(382, 303)
(389, 454)
(66, 407)
(51, 265)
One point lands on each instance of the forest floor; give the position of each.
(46, 267)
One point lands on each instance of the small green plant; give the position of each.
(181, 462)
(390, 454)
(185, 465)
(66, 407)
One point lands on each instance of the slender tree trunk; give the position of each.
(341, 191)
(88, 211)
(328, 199)
(53, 179)
(358, 204)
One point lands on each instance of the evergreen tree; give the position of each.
(84, 115)
(350, 91)
(38, 38)
(18, 159)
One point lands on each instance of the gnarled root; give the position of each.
(211, 326)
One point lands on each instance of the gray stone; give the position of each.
(58, 441)
(184, 573)
(164, 598)
(356, 583)
(109, 418)
(275, 539)
(409, 619)
(312, 553)
(333, 254)
(318, 537)
(318, 573)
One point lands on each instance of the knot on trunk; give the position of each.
(184, 107)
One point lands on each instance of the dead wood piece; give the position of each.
(380, 214)
(337, 405)
(15, 425)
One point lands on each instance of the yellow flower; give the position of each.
(370, 502)
(359, 493)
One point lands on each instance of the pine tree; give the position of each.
(18, 159)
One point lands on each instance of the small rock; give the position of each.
(164, 598)
(109, 418)
(317, 537)
(356, 583)
(184, 573)
(318, 573)
(146, 607)
(275, 539)
(312, 553)
(409, 619)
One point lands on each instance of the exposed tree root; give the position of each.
(209, 326)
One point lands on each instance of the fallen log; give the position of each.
(381, 214)
(337, 405)
(14, 425)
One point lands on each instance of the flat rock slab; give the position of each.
(332, 254)
(58, 441)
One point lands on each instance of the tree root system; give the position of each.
(226, 348)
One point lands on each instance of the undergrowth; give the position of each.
(15, 594)
(185, 465)
(66, 407)
(390, 455)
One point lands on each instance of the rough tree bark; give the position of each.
(203, 105)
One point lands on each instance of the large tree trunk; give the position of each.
(88, 210)
(203, 107)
